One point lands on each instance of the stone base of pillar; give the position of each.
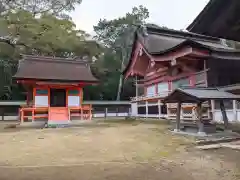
(207, 128)
(176, 130)
(202, 133)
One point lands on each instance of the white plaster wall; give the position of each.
(111, 114)
(41, 101)
(153, 115)
(218, 116)
(238, 116)
(134, 109)
(73, 101)
(99, 115)
(151, 91)
(162, 87)
(122, 114)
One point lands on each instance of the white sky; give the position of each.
(175, 14)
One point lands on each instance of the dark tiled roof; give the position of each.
(158, 41)
(161, 40)
(212, 6)
(51, 68)
(219, 18)
(198, 94)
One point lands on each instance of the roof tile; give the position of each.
(51, 68)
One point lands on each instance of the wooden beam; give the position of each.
(137, 49)
(54, 84)
(174, 55)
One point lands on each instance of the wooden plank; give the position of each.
(42, 116)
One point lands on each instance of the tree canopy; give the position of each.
(39, 7)
(21, 32)
(117, 36)
(41, 28)
(46, 35)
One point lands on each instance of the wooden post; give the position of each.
(90, 112)
(117, 112)
(178, 117)
(106, 111)
(81, 113)
(136, 84)
(22, 115)
(159, 109)
(213, 110)
(33, 115)
(235, 110)
(224, 114)
(182, 113)
(146, 109)
(2, 113)
(199, 117)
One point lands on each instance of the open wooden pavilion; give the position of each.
(198, 96)
(54, 88)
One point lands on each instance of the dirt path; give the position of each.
(221, 164)
(95, 172)
(191, 169)
(114, 152)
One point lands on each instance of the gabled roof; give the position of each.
(162, 40)
(159, 41)
(195, 95)
(54, 69)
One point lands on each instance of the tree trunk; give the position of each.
(119, 87)
(121, 76)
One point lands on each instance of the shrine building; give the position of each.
(163, 60)
(54, 88)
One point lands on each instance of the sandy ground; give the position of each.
(110, 151)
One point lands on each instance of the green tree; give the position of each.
(117, 35)
(45, 35)
(39, 7)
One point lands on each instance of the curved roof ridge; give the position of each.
(178, 33)
(184, 43)
(54, 59)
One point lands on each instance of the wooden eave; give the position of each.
(219, 18)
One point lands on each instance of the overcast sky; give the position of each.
(175, 14)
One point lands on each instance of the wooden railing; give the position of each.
(188, 111)
(84, 112)
(146, 97)
(33, 113)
